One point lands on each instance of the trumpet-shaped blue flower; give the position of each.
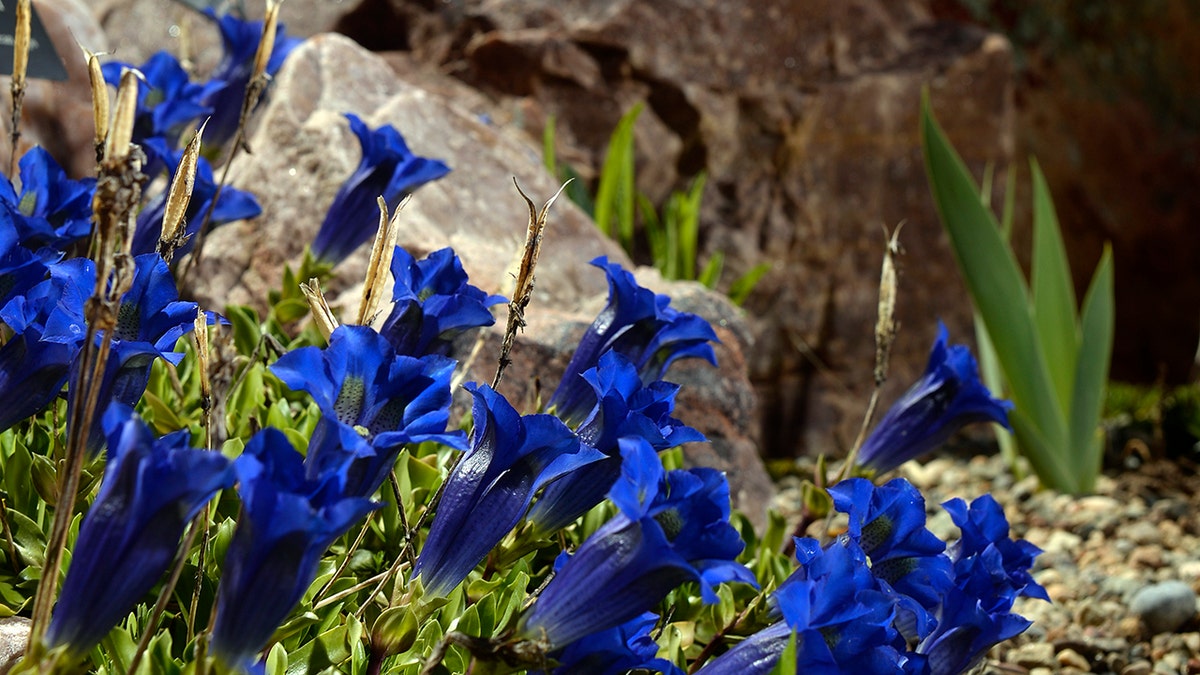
(625, 408)
(888, 523)
(946, 398)
(168, 104)
(20, 268)
(232, 204)
(150, 320)
(287, 522)
(840, 616)
(388, 169)
(487, 492)
(433, 303)
(151, 489)
(639, 325)
(614, 651)
(373, 402)
(52, 210)
(672, 528)
(853, 614)
(48, 328)
(240, 40)
(991, 571)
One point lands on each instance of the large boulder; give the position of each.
(303, 150)
(804, 116)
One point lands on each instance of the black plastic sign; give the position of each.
(44, 61)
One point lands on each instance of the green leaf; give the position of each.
(712, 271)
(165, 419)
(29, 538)
(325, 651)
(997, 287)
(1054, 305)
(688, 221)
(16, 479)
(615, 195)
(290, 309)
(1095, 352)
(549, 153)
(741, 289)
(277, 660)
(246, 331)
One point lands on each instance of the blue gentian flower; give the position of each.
(20, 268)
(672, 528)
(625, 408)
(48, 329)
(991, 571)
(373, 402)
(433, 303)
(388, 169)
(150, 320)
(168, 104)
(52, 210)
(947, 397)
(641, 326)
(233, 204)
(888, 523)
(240, 40)
(489, 489)
(614, 651)
(287, 523)
(151, 489)
(842, 620)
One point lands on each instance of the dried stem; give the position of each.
(20, 66)
(885, 335)
(254, 90)
(523, 292)
(118, 193)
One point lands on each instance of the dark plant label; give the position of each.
(202, 5)
(44, 61)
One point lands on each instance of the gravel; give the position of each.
(1121, 566)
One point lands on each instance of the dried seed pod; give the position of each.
(380, 265)
(174, 222)
(885, 323)
(100, 102)
(120, 134)
(326, 322)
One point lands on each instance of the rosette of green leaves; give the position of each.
(1053, 356)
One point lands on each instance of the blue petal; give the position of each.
(947, 397)
(151, 489)
(388, 169)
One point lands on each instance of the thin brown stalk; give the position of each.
(11, 547)
(362, 533)
(523, 292)
(254, 90)
(118, 192)
(20, 67)
(885, 336)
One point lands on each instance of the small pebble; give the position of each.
(1164, 607)
(1069, 658)
(1033, 655)
(1137, 668)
